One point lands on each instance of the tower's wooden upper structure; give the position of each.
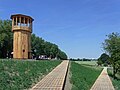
(22, 29)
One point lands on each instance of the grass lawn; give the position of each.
(92, 63)
(116, 82)
(83, 77)
(19, 75)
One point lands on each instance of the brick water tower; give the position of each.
(22, 29)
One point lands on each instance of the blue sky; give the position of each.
(78, 27)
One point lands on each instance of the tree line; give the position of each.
(83, 59)
(42, 47)
(38, 45)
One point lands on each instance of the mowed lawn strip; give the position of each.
(90, 63)
(19, 75)
(83, 77)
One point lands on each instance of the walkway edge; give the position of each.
(55, 80)
(103, 82)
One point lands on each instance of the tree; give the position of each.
(103, 59)
(38, 45)
(6, 38)
(54, 50)
(112, 46)
(61, 55)
(99, 62)
(42, 47)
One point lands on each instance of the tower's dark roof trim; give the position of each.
(21, 16)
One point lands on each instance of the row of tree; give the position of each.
(38, 45)
(84, 59)
(42, 47)
(111, 46)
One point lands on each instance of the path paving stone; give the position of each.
(103, 82)
(55, 79)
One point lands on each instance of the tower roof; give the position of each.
(21, 16)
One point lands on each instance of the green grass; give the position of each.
(116, 82)
(92, 63)
(19, 75)
(83, 77)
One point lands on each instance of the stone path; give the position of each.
(55, 79)
(103, 82)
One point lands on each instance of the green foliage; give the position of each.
(61, 55)
(41, 47)
(116, 82)
(6, 38)
(19, 75)
(38, 45)
(99, 62)
(112, 46)
(83, 77)
(103, 59)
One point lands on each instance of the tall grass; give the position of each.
(83, 77)
(19, 75)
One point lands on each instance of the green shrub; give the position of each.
(83, 77)
(116, 82)
(19, 75)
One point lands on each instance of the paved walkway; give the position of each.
(103, 82)
(55, 79)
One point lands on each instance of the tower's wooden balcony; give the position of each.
(22, 28)
(21, 22)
